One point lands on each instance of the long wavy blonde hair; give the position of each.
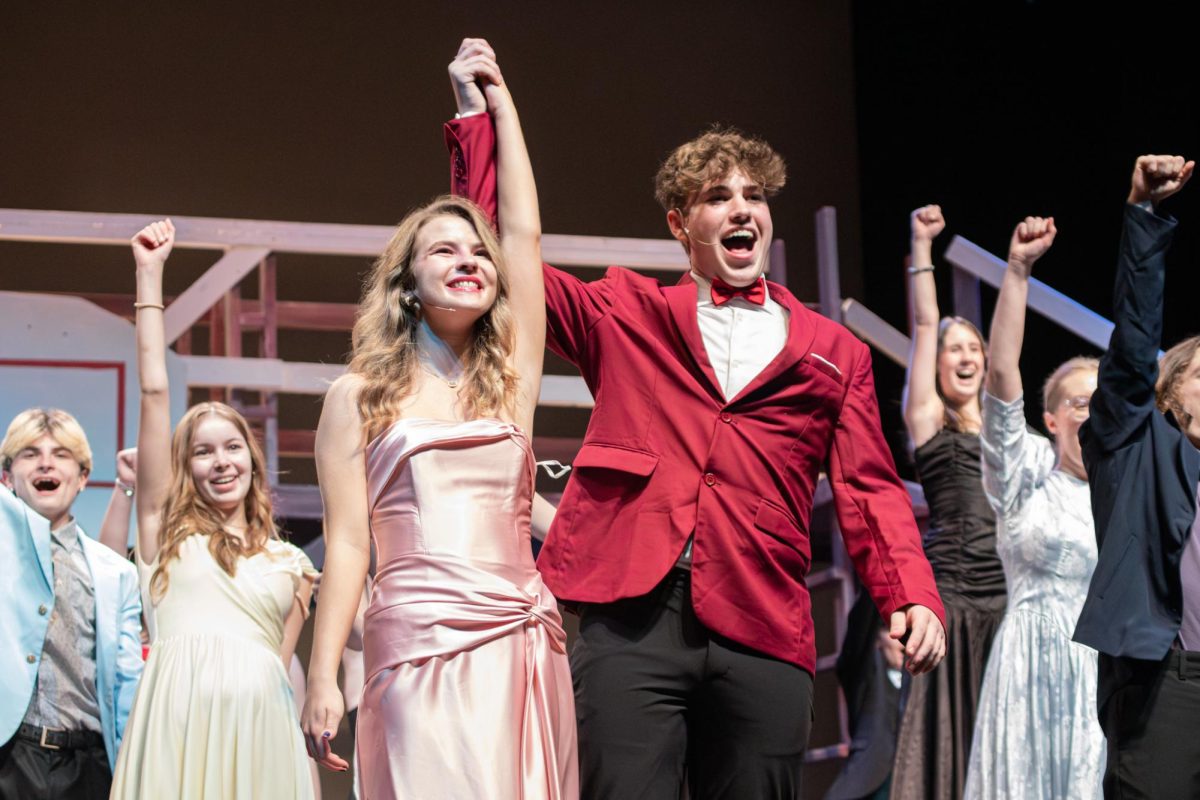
(187, 512)
(385, 330)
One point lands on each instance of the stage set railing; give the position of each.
(215, 300)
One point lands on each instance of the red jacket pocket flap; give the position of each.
(622, 459)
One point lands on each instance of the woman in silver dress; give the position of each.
(1036, 734)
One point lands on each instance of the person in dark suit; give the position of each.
(1140, 449)
(683, 533)
(869, 669)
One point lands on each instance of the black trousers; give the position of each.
(659, 696)
(28, 770)
(1152, 723)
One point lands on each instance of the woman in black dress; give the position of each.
(942, 414)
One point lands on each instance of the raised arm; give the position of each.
(342, 475)
(471, 136)
(521, 239)
(572, 306)
(151, 247)
(476, 77)
(924, 413)
(114, 530)
(1129, 368)
(1030, 240)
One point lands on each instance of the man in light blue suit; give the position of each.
(70, 654)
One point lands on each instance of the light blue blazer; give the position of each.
(26, 600)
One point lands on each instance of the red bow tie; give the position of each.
(755, 293)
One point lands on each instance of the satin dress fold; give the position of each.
(467, 693)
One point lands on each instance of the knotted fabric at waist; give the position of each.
(429, 605)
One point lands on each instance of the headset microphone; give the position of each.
(412, 299)
(688, 233)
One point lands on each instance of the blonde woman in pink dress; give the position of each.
(424, 447)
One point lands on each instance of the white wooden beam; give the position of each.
(202, 295)
(213, 233)
(255, 374)
(1050, 303)
(296, 377)
(261, 374)
(565, 391)
(603, 251)
(876, 331)
(204, 233)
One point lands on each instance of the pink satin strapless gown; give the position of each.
(468, 693)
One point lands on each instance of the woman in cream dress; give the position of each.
(224, 597)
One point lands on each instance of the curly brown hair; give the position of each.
(711, 156)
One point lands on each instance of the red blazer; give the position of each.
(666, 456)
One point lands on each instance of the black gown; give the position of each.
(938, 720)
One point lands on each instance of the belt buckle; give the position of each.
(46, 744)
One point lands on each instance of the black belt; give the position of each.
(58, 738)
(1184, 662)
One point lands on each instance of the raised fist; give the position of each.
(1030, 241)
(927, 222)
(1155, 178)
(153, 243)
(127, 466)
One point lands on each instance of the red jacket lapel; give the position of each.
(681, 301)
(800, 335)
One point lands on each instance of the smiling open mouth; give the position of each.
(466, 286)
(46, 484)
(739, 241)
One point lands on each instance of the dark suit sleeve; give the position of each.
(572, 306)
(874, 509)
(1124, 396)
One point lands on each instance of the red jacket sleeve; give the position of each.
(874, 509)
(472, 145)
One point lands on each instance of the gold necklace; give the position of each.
(437, 358)
(452, 383)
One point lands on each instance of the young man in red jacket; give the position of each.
(683, 533)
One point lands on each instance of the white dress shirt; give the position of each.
(740, 338)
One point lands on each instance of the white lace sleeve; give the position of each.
(1015, 459)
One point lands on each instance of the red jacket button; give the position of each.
(709, 479)
(726, 416)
